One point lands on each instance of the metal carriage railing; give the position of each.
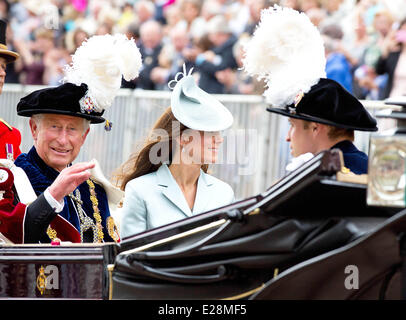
(258, 159)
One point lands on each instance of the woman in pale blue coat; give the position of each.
(166, 180)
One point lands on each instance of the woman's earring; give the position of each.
(183, 149)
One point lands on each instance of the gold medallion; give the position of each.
(41, 280)
(112, 229)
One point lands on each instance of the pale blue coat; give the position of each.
(156, 199)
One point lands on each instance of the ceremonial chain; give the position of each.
(85, 221)
(96, 212)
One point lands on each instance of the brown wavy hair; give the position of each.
(139, 162)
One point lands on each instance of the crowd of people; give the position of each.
(363, 40)
(167, 180)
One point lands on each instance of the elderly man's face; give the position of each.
(58, 138)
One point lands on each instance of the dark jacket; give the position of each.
(355, 160)
(388, 65)
(208, 81)
(42, 176)
(149, 61)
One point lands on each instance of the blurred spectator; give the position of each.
(54, 61)
(24, 31)
(367, 84)
(255, 7)
(104, 28)
(127, 16)
(78, 37)
(210, 9)
(191, 19)
(393, 61)
(356, 45)
(12, 74)
(220, 56)
(144, 11)
(366, 25)
(172, 16)
(293, 4)
(4, 9)
(150, 47)
(133, 31)
(306, 5)
(32, 56)
(337, 66)
(382, 24)
(316, 16)
(238, 16)
(236, 81)
(335, 10)
(171, 59)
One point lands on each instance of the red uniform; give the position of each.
(10, 140)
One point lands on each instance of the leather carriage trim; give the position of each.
(245, 294)
(177, 236)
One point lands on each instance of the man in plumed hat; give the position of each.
(288, 52)
(60, 119)
(15, 214)
(325, 118)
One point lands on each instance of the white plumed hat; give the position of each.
(91, 81)
(101, 62)
(287, 51)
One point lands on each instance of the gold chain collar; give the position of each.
(86, 222)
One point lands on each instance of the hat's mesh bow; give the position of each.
(172, 83)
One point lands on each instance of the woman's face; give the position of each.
(200, 147)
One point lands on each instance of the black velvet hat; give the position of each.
(329, 103)
(67, 99)
(91, 82)
(9, 55)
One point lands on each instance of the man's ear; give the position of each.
(85, 135)
(34, 129)
(314, 126)
(318, 128)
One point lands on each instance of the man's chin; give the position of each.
(60, 164)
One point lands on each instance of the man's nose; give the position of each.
(288, 136)
(63, 136)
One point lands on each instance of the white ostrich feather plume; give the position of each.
(101, 62)
(287, 51)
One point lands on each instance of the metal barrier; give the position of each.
(258, 161)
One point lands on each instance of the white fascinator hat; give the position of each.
(195, 108)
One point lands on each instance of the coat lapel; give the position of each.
(171, 189)
(203, 194)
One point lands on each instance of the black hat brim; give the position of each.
(63, 100)
(91, 118)
(306, 117)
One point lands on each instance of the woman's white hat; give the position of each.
(195, 108)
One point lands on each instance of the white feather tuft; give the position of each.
(130, 56)
(100, 62)
(287, 51)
